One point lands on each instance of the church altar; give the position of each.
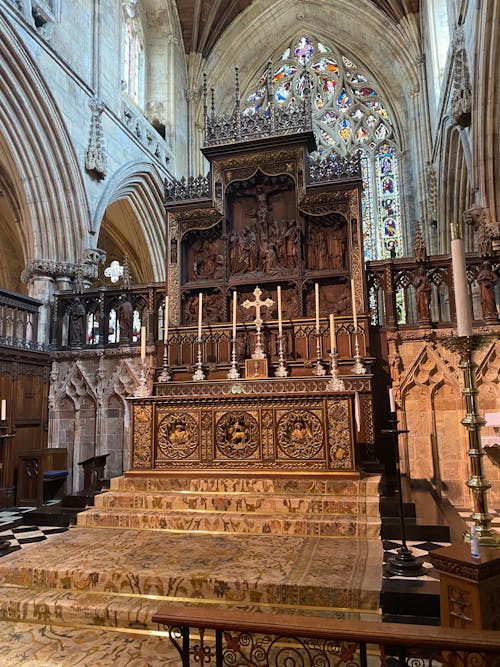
(287, 425)
(261, 229)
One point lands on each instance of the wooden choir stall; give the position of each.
(266, 365)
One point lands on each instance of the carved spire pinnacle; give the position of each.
(419, 249)
(205, 108)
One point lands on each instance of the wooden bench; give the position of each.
(41, 476)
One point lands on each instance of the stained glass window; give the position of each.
(349, 115)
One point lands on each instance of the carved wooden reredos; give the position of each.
(264, 225)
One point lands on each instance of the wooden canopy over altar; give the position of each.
(260, 222)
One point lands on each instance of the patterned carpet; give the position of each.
(85, 596)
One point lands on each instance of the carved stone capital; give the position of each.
(192, 95)
(48, 269)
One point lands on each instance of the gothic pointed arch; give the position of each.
(130, 220)
(39, 158)
(384, 73)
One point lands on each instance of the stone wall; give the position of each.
(428, 384)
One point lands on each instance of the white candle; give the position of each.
(392, 402)
(354, 311)
(460, 284)
(235, 303)
(165, 322)
(316, 301)
(333, 345)
(200, 311)
(3, 415)
(280, 322)
(143, 342)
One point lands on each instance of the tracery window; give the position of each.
(133, 52)
(349, 115)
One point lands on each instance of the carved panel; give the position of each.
(239, 432)
(177, 436)
(142, 437)
(300, 434)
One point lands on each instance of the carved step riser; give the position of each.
(344, 527)
(254, 505)
(81, 609)
(266, 486)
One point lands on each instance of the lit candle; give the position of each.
(316, 300)
(235, 303)
(280, 322)
(143, 342)
(460, 284)
(354, 311)
(333, 345)
(3, 415)
(200, 311)
(392, 402)
(165, 322)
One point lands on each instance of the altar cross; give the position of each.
(258, 353)
(258, 304)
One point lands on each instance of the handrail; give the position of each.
(312, 627)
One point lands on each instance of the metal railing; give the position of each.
(224, 637)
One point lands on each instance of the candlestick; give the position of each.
(354, 311)
(280, 322)
(404, 563)
(143, 343)
(165, 322)
(142, 390)
(333, 343)
(460, 284)
(334, 383)
(235, 303)
(3, 415)
(391, 400)
(200, 313)
(316, 302)
(165, 374)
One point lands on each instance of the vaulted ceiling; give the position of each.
(204, 21)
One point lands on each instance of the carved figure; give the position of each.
(271, 264)
(337, 249)
(487, 279)
(77, 326)
(125, 319)
(422, 293)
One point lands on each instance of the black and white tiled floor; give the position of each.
(19, 535)
(419, 550)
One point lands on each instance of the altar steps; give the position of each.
(325, 508)
(91, 592)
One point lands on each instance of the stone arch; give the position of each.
(40, 161)
(450, 440)
(455, 185)
(136, 190)
(74, 414)
(255, 36)
(116, 435)
(425, 384)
